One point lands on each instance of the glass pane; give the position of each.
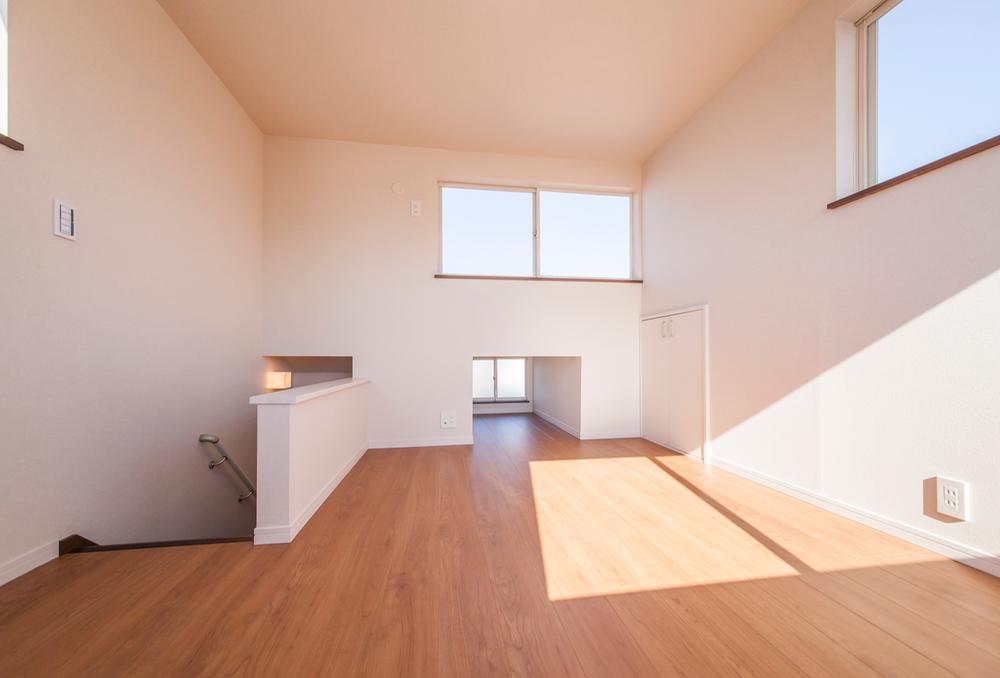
(486, 232)
(585, 235)
(482, 379)
(938, 81)
(510, 378)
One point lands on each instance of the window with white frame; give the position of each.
(497, 380)
(929, 83)
(532, 232)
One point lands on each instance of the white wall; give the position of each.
(120, 348)
(557, 392)
(853, 351)
(347, 271)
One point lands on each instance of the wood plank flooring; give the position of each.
(529, 554)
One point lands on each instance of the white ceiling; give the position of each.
(597, 79)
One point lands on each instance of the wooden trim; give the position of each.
(444, 276)
(923, 169)
(11, 143)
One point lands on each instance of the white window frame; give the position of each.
(867, 95)
(535, 190)
(495, 398)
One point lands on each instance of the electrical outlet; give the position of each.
(415, 208)
(448, 419)
(953, 498)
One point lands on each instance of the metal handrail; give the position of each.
(214, 441)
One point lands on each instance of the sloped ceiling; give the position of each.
(577, 79)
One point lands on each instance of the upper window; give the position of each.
(585, 235)
(518, 232)
(487, 232)
(931, 82)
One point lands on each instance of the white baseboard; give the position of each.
(693, 455)
(419, 442)
(501, 408)
(609, 435)
(967, 555)
(26, 562)
(272, 535)
(558, 423)
(284, 534)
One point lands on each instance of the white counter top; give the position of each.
(291, 396)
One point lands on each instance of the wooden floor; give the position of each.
(531, 553)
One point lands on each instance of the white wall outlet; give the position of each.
(953, 498)
(63, 220)
(415, 208)
(448, 419)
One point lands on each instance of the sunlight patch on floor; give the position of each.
(621, 525)
(818, 539)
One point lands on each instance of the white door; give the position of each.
(655, 365)
(673, 385)
(685, 382)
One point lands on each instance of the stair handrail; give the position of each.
(214, 441)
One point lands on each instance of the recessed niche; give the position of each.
(306, 370)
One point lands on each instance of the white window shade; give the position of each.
(499, 379)
(511, 378)
(482, 380)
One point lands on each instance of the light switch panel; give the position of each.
(64, 220)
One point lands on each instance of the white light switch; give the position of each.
(414, 208)
(63, 220)
(953, 498)
(448, 419)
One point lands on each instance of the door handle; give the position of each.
(663, 329)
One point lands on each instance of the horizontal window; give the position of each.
(931, 82)
(489, 231)
(499, 379)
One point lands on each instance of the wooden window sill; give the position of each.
(445, 276)
(11, 143)
(912, 174)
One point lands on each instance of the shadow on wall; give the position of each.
(930, 503)
(911, 396)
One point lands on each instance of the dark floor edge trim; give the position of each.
(74, 544)
(77, 544)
